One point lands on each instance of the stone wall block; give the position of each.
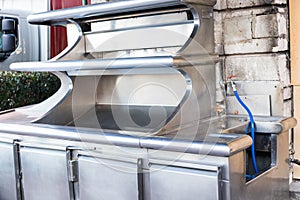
(221, 5)
(237, 29)
(252, 67)
(233, 4)
(265, 26)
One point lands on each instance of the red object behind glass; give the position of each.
(58, 34)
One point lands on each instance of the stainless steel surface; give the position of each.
(117, 7)
(258, 104)
(274, 125)
(172, 35)
(103, 64)
(44, 173)
(136, 119)
(35, 112)
(211, 145)
(71, 42)
(225, 144)
(8, 183)
(184, 183)
(273, 89)
(217, 145)
(98, 176)
(274, 182)
(110, 147)
(39, 110)
(193, 60)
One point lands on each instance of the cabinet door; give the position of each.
(8, 181)
(44, 174)
(107, 179)
(177, 183)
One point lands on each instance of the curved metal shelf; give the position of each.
(111, 8)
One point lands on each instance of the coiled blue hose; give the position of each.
(252, 126)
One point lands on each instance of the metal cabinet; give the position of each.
(107, 178)
(44, 173)
(185, 182)
(8, 176)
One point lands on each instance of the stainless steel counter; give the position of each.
(135, 117)
(215, 159)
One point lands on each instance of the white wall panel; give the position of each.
(31, 5)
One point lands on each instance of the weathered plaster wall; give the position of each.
(251, 38)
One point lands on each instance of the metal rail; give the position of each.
(101, 9)
(96, 64)
(111, 8)
(228, 146)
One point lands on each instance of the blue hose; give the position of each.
(252, 126)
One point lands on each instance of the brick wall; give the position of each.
(251, 38)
